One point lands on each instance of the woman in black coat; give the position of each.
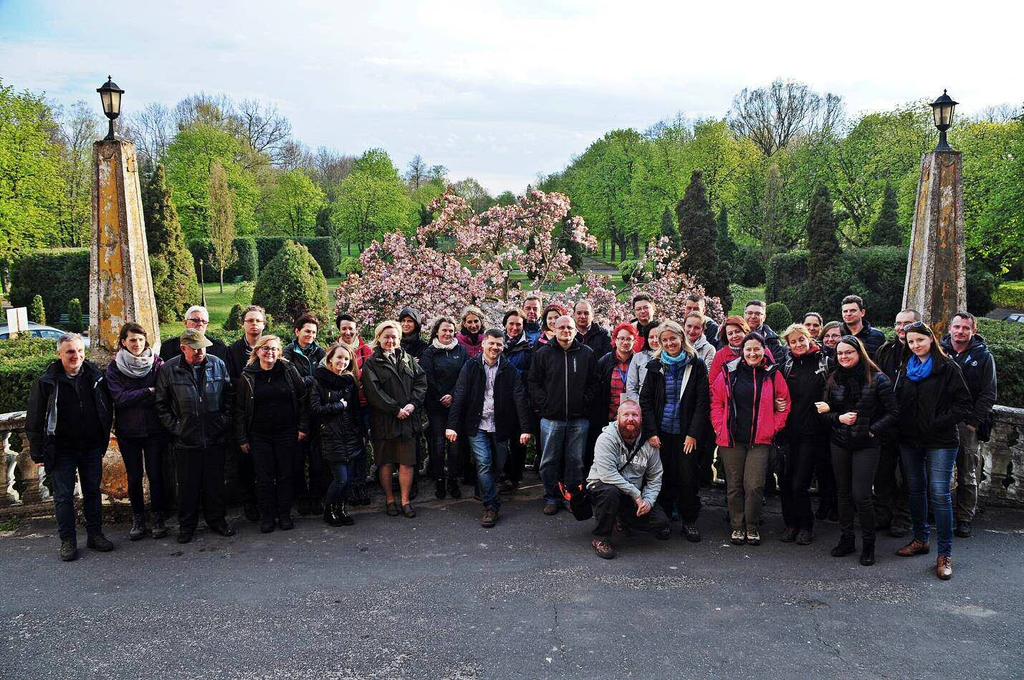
(271, 418)
(933, 398)
(334, 400)
(859, 406)
(675, 402)
(395, 388)
(131, 379)
(806, 368)
(441, 361)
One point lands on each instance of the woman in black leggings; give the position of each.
(860, 405)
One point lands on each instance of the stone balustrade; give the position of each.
(22, 491)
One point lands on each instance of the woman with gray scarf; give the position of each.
(131, 378)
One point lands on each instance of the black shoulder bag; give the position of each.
(578, 498)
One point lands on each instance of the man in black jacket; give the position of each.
(193, 401)
(754, 314)
(489, 406)
(598, 339)
(890, 500)
(196, 319)
(254, 321)
(68, 428)
(562, 384)
(855, 324)
(969, 351)
(698, 303)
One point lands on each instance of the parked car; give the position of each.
(1015, 317)
(39, 331)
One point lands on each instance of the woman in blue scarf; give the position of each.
(676, 404)
(933, 398)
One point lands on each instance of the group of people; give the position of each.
(635, 418)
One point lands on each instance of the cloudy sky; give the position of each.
(502, 91)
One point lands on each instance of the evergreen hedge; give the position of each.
(323, 249)
(1010, 295)
(292, 284)
(58, 275)
(246, 266)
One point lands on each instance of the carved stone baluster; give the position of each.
(8, 462)
(29, 473)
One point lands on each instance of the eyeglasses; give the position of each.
(270, 350)
(919, 327)
(198, 322)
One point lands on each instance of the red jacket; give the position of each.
(767, 422)
(727, 354)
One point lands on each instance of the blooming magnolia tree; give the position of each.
(488, 249)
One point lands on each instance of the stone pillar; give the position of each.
(120, 283)
(936, 282)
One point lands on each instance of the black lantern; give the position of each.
(110, 96)
(942, 112)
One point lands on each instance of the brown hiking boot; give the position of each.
(915, 547)
(603, 548)
(944, 567)
(489, 519)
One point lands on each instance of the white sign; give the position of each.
(17, 320)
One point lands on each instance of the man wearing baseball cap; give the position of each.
(193, 398)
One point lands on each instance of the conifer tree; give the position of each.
(699, 234)
(822, 241)
(222, 222)
(886, 230)
(174, 272)
(670, 230)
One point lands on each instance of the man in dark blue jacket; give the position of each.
(68, 428)
(489, 406)
(519, 352)
(562, 384)
(969, 351)
(855, 323)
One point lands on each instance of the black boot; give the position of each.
(341, 512)
(439, 489)
(159, 525)
(847, 546)
(330, 516)
(454, 490)
(867, 553)
(139, 528)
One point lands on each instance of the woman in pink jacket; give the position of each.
(746, 419)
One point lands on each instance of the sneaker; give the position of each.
(603, 548)
(963, 530)
(489, 519)
(551, 508)
(789, 534)
(342, 513)
(753, 537)
(691, 533)
(737, 537)
(99, 543)
(804, 537)
(68, 550)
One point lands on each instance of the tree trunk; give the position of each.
(350, 247)
(222, 280)
(613, 250)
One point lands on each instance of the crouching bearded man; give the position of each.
(624, 481)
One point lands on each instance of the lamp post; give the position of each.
(110, 97)
(942, 113)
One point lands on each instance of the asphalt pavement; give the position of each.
(440, 597)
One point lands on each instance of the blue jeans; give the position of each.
(562, 443)
(929, 472)
(89, 466)
(341, 481)
(490, 455)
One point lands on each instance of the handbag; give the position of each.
(578, 497)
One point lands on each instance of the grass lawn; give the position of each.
(219, 304)
(741, 295)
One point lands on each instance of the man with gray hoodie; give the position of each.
(624, 481)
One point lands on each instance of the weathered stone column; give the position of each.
(120, 283)
(936, 282)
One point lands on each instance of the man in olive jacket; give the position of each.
(193, 401)
(68, 428)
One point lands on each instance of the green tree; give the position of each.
(293, 204)
(222, 222)
(372, 200)
(822, 242)
(699, 234)
(292, 284)
(37, 312)
(472, 191)
(670, 230)
(190, 160)
(174, 274)
(32, 186)
(76, 322)
(886, 230)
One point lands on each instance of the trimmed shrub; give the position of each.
(22, 361)
(234, 319)
(778, 316)
(76, 324)
(322, 248)
(247, 266)
(36, 311)
(1006, 343)
(748, 266)
(57, 275)
(1009, 295)
(630, 270)
(292, 284)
